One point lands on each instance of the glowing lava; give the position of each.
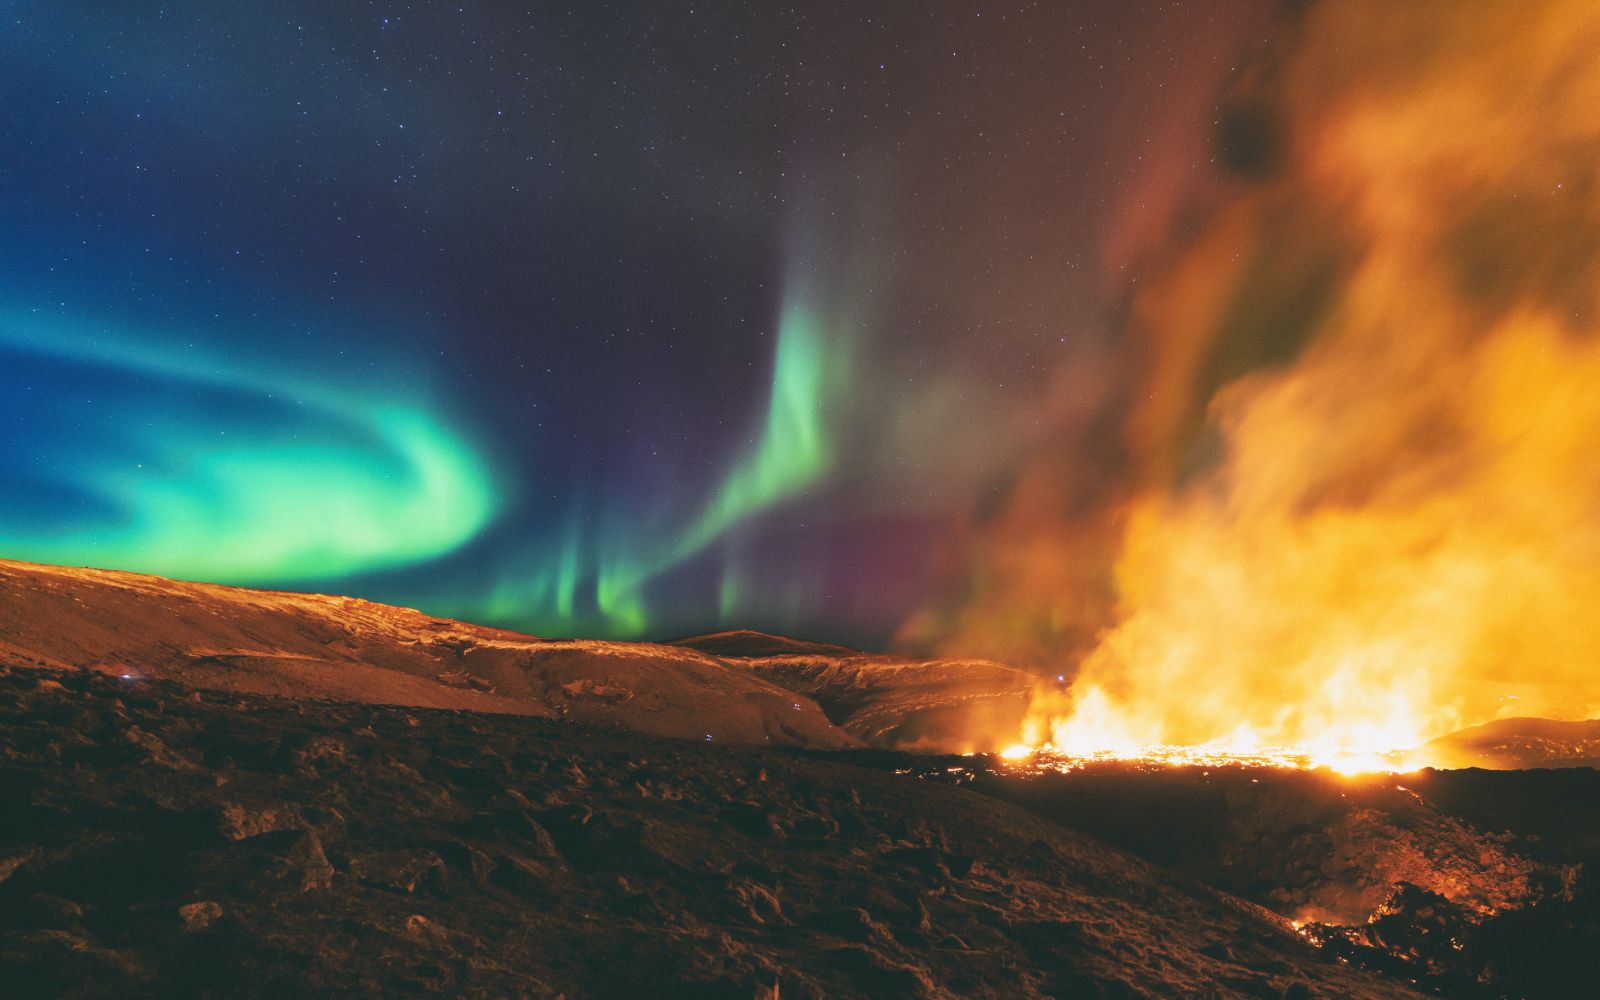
(1087, 725)
(1352, 762)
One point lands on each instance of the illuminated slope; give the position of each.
(312, 646)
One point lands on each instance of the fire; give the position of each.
(1366, 510)
(1095, 728)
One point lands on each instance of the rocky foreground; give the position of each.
(209, 791)
(1471, 883)
(161, 841)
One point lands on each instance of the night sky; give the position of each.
(594, 319)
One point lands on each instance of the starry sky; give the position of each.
(584, 319)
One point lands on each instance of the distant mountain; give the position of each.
(952, 705)
(746, 643)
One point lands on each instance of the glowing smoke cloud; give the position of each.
(1369, 513)
(303, 478)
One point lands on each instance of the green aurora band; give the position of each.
(793, 450)
(338, 479)
(312, 476)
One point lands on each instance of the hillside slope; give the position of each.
(315, 646)
(740, 687)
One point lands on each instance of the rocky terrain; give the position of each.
(163, 841)
(1471, 883)
(220, 792)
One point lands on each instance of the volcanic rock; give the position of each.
(626, 895)
(1473, 883)
(401, 871)
(199, 916)
(1307, 844)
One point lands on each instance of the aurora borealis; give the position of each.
(192, 466)
(623, 320)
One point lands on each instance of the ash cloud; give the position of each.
(1349, 492)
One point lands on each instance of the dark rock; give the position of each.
(752, 819)
(155, 751)
(419, 928)
(51, 963)
(931, 861)
(535, 836)
(317, 752)
(1253, 986)
(570, 832)
(759, 903)
(199, 916)
(881, 975)
(456, 854)
(813, 826)
(530, 877)
(255, 751)
(10, 864)
(306, 863)
(399, 871)
(237, 821)
(53, 911)
(853, 924)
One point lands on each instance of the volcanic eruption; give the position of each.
(1362, 507)
(957, 500)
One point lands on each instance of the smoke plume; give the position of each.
(1352, 496)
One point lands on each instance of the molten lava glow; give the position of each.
(1371, 508)
(1097, 733)
(1050, 758)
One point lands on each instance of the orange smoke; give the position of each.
(1365, 500)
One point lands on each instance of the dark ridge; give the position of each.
(749, 644)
